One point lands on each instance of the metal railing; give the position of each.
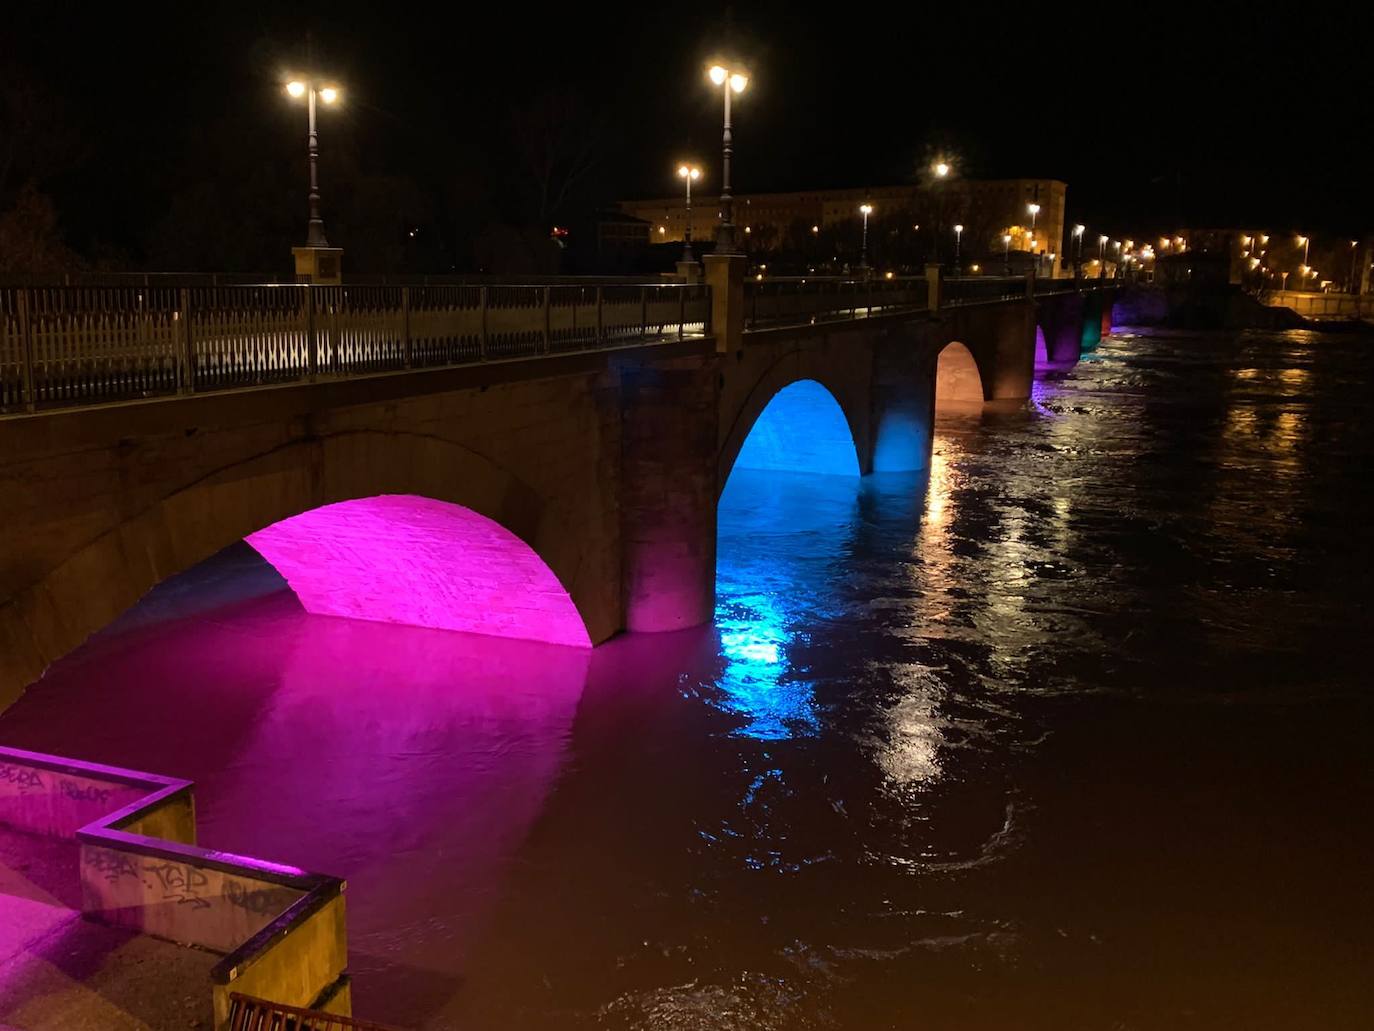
(780, 301)
(65, 345)
(249, 1014)
(958, 290)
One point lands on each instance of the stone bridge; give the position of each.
(458, 460)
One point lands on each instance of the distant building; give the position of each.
(991, 207)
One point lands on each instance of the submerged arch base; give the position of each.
(802, 429)
(400, 558)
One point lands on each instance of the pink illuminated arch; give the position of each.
(399, 558)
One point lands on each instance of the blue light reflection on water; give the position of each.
(783, 541)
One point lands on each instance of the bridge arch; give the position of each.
(795, 422)
(110, 573)
(958, 379)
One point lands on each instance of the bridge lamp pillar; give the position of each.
(865, 210)
(958, 243)
(1101, 257)
(1034, 209)
(688, 174)
(316, 262)
(730, 81)
(1006, 253)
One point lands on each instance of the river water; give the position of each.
(1072, 732)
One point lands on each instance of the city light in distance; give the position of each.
(941, 169)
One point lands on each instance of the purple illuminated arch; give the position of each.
(1042, 353)
(399, 558)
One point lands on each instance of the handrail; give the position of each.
(82, 345)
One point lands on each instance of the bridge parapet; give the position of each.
(787, 300)
(65, 345)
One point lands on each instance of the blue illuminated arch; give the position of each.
(803, 429)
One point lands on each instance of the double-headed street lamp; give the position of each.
(730, 82)
(298, 88)
(1078, 247)
(688, 174)
(958, 239)
(865, 210)
(1102, 257)
(1006, 253)
(1034, 210)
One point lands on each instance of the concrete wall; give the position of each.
(283, 928)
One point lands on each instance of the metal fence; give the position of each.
(249, 1014)
(65, 345)
(983, 289)
(789, 301)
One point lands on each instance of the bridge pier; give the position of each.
(1061, 319)
(902, 405)
(668, 494)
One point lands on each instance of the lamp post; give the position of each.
(688, 174)
(958, 240)
(865, 210)
(1034, 210)
(1351, 288)
(1006, 253)
(730, 82)
(1078, 248)
(296, 88)
(1101, 257)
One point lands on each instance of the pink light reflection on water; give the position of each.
(414, 560)
(412, 762)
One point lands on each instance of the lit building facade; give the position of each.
(990, 207)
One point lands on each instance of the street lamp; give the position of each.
(1306, 242)
(958, 239)
(865, 210)
(1101, 257)
(1006, 253)
(941, 169)
(1078, 245)
(730, 82)
(296, 89)
(1034, 210)
(688, 174)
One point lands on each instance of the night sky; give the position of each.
(1252, 118)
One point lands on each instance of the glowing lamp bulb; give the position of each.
(718, 74)
(867, 209)
(329, 94)
(1034, 209)
(941, 169)
(683, 172)
(738, 82)
(295, 88)
(958, 229)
